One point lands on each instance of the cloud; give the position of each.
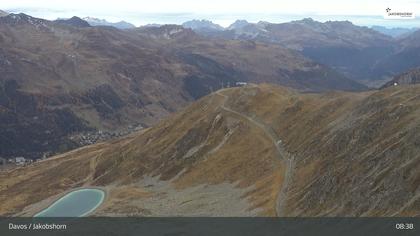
(142, 12)
(360, 7)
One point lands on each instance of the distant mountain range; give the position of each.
(3, 13)
(74, 21)
(394, 32)
(405, 56)
(91, 21)
(202, 26)
(89, 78)
(238, 24)
(360, 53)
(63, 77)
(101, 22)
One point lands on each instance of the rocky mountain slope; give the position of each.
(101, 22)
(360, 53)
(350, 49)
(394, 32)
(405, 57)
(58, 79)
(202, 26)
(3, 13)
(237, 60)
(410, 77)
(411, 40)
(74, 21)
(256, 150)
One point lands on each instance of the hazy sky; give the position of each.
(221, 11)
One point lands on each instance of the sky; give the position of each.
(224, 12)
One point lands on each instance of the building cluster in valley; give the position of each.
(83, 139)
(89, 138)
(6, 163)
(236, 84)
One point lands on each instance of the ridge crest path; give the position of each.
(282, 154)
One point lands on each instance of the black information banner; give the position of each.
(230, 226)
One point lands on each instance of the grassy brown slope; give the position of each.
(356, 154)
(201, 146)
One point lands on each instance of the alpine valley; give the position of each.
(256, 119)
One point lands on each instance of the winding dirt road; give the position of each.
(283, 155)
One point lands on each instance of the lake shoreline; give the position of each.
(70, 194)
(36, 208)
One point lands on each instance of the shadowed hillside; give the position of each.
(408, 78)
(406, 57)
(63, 78)
(350, 49)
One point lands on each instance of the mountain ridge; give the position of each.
(102, 22)
(394, 32)
(410, 77)
(3, 13)
(73, 21)
(208, 151)
(326, 43)
(202, 25)
(106, 79)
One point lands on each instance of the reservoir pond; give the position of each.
(75, 204)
